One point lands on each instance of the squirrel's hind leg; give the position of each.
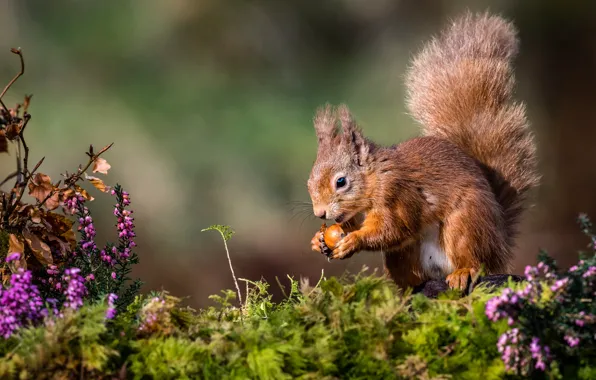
(474, 236)
(403, 266)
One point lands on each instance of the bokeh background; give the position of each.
(210, 102)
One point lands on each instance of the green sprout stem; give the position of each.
(226, 233)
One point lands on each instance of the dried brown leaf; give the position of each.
(40, 249)
(13, 130)
(35, 215)
(27, 103)
(3, 141)
(57, 223)
(60, 232)
(29, 211)
(98, 183)
(101, 165)
(70, 238)
(16, 244)
(53, 202)
(83, 193)
(40, 186)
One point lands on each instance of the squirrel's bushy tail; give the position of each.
(460, 88)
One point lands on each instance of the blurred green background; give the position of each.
(210, 102)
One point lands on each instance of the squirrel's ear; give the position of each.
(352, 136)
(324, 122)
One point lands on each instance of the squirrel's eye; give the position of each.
(341, 182)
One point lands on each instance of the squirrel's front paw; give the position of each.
(460, 278)
(317, 244)
(347, 246)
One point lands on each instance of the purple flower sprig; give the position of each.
(547, 316)
(125, 225)
(75, 288)
(76, 204)
(111, 312)
(20, 304)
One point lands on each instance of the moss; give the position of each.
(362, 328)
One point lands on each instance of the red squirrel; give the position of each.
(445, 204)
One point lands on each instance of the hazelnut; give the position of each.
(332, 235)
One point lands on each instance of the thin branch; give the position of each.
(37, 165)
(19, 168)
(28, 178)
(26, 118)
(75, 177)
(18, 52)
(104, 150)
(26, 158)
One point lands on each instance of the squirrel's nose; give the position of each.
(320, 212)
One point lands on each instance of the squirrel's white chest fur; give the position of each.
(433, 259)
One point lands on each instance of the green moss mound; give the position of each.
(358, 328)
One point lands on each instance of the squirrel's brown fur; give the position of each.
(448, 202)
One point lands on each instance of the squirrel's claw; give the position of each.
(460, 278)
(317, 244)
(346, 247)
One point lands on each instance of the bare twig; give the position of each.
(37, 165)
(74, 178)
(27, 177)
(26, 157)
(18, 52)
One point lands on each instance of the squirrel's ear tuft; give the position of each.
(352, 136)
(324, 122)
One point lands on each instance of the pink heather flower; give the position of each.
(559, 284)
(114, 275)
(591, 272)
(111, 312)
(158, 311)
(506, 305)
(540, 271)
(571, 341)
(75, 290)
(510, 350)
(72, 204)
(13, 257)
(20, 303)
(125, 226)
(110, 260)
(87, 242)
(53, 304)
(539, 353)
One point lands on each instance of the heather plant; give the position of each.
(551, 316)
(44, 270)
